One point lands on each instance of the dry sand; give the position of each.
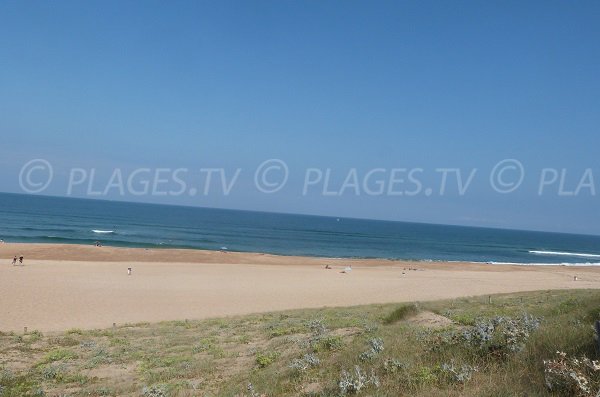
(67, 286)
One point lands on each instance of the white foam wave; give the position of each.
(560, 253)
(102, 231)
(546, 264)
(518, 263)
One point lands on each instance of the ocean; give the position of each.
(40, 219)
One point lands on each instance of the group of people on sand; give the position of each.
(20, 258)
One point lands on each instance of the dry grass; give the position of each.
(305, 352)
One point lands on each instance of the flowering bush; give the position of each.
(320, 338)
(302, 364)
(317, 327)
(154, 391)
(572, 376)
(501, 334)
(351, 383)
(376, 347)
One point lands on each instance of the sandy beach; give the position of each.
(73, 286)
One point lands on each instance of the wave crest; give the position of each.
(560, 253)
(103, 231)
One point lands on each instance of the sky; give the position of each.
(336, 88)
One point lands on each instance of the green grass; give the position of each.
(400, 313)
(265, 359)
(309, 352)
(58, 354)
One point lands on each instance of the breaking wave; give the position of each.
(560, 253)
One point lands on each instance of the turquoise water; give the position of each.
(27, 218)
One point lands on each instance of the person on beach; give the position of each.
(21, 259)
(15, 260)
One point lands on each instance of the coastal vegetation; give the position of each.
(534, 343)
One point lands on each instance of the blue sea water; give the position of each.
(40, 219)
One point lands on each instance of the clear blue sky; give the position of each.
(328, 84)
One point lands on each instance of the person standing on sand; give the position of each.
(15, 260)
(21, 259)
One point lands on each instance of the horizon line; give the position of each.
(300, 214)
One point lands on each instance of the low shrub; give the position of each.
(393, 365)
(330, 343)
(572, 376)
(265, 359)
(354, 382)
(501, 335)
(155, 391)
(457, 374)
(58, 355)
(307, 361)
(401, 313)
(375, 347)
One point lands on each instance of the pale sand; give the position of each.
(68, 286)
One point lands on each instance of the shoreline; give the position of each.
(107, 253)
(75, 286)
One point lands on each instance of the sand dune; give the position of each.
(66, 286)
